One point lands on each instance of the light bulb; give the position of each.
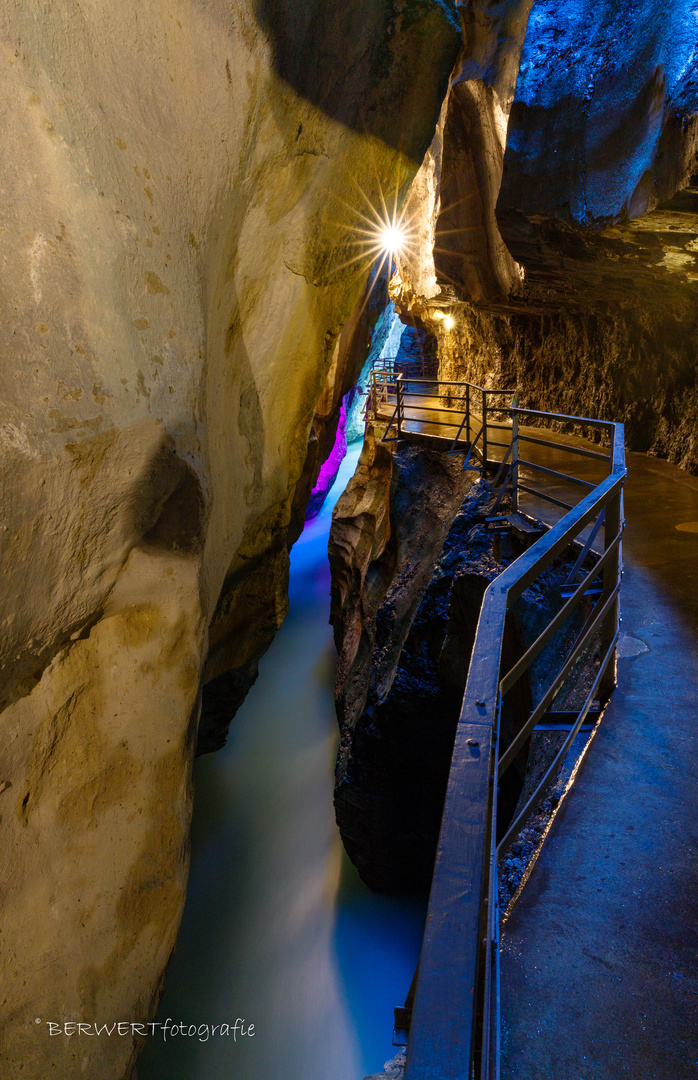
(392, 238)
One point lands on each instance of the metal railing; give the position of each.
(425, 366)
(455, 414)
(453, 1013)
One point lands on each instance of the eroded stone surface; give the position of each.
(405, 628)
(176, 185)
(603, 122)
(387, 528)
(575, 284)
(393, 1069)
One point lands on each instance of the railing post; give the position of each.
(611, 575)
(400, 400)
(514, 460)
(484, 433)
(467, 411)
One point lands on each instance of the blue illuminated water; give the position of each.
(278, 930)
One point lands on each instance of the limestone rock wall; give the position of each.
(411, 556)
(638, 367)
(454, 238)
(176, 186)
(387, 528)
(603, 123)
(563, 242)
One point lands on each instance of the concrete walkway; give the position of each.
(600, 956)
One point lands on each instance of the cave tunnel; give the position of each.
(350, 510)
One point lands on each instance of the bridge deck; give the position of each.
(599, 961)
(439, 429)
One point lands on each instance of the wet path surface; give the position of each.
(277, 928)
(600, 954)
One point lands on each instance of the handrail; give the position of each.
(548, 416)
(522, 665)
(591, 625)
(454, 1031)
(388, 383)
(537, 797)
(581, 450)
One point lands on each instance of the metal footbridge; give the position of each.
(451, 1019)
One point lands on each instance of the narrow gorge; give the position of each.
(222, 224)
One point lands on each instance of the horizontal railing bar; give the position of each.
(565, 446)
(522, 665)
(519, 574)
(564, 417)
(443, 408)
(452, 413)
(516, 826)
(428, 397)
(452, 382)
(475, 416)
(431, 408)
(562, 727)
(442, 423)
(423, 393)
(425, 422)
(553, 472)
(553, 690)
(440, 382)
(543, 495)
(425, 425)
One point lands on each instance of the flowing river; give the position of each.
(278, 931)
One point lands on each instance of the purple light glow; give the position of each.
(329, 468)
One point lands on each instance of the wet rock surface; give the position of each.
(177, 200)
(387, 530)
(393, 1069)
(412, 657)
(556, 216)
(180, 325)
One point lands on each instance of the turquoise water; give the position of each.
(278, 930)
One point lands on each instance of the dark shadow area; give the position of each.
(395, 763)
(180, 526)
(380, 67)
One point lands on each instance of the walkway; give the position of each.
(599, 967)
(599, 961)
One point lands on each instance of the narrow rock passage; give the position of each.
(277, 928)
(600, 954)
